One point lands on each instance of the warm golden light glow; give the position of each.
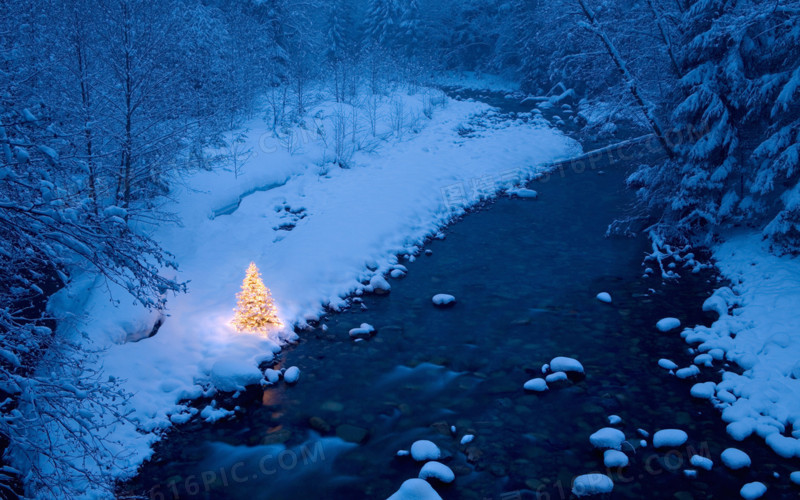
(255, 310)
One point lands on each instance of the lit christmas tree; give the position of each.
(255, 310)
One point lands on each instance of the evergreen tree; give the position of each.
(410, 26)
(256, 310)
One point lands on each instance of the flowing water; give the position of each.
(525, 274)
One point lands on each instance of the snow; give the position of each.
(604, 297)
(753, 490)
(437, 470)
(688, 372)
(667, 324)
(523, 193)
(758, 329)
(734, 458)
(795, 477)
(378, 284)
(291, 375)
(667, 364)
(443, 299)
(592, 484)
(230, 374)
(535, 384)
(669, 438)
(425, 450)
(415, 489)
(786, 447)
(363, 331)
(701, 462)
(607, 437)
(393, 197)
(703, 390)
(556, 377)
(272, 376)
(614, 419)
(467, 439)
(615, 458)
(563, 364)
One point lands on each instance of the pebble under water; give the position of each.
(525, 274)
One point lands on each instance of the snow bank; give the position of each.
(762, 336)
(318, 233)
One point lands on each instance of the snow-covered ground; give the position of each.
(318, 233)
(758, 330)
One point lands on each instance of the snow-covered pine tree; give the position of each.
(772, 53)
(409, 32)
(255, 310)
(694, 192)
(380, 23)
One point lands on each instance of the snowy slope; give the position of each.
(343, 223)
(761, 334)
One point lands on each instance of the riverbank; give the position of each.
(319, 233)
(525, 275)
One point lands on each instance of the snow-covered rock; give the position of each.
(437, 470)
(364, 331)
(523, 193)
(291, 375)
(425, 450)
(667, 324)
(415, 489)
(229, 375)
(615, 458)
(751, 491)
(667, 364)
(592, 484)
(614, 419)
(669, 438)
(379, 285)
(443, 300)
(795, 477)
(467, 439)
(703, 390)
(786, 447)
(272, 376)
(604, 297)
(701, 462)
(735, 459)
(704, 359)
(535, 385)
(564, 364)
(607, 437)
(688, 372)
(556, 377)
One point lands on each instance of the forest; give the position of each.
(106, 105)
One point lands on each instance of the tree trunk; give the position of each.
(630, 81)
